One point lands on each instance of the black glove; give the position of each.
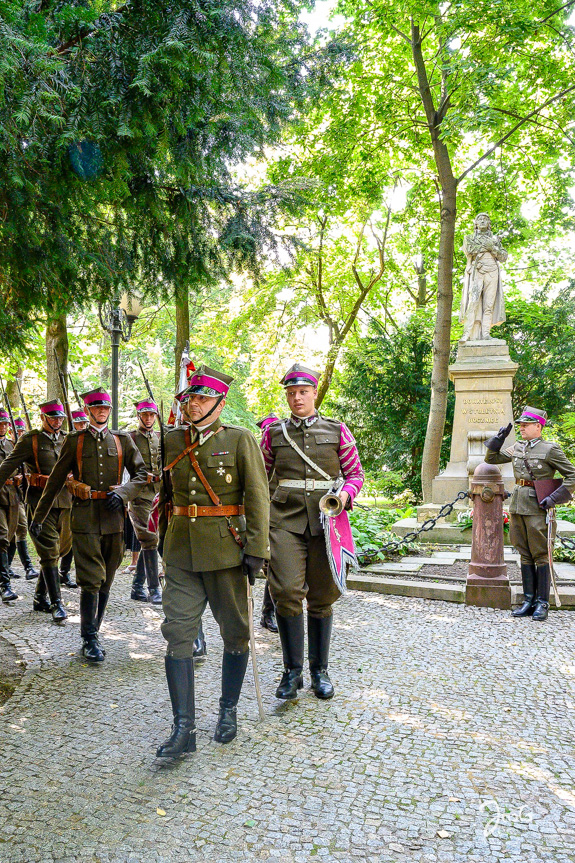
(252, 566)
(556, 498)
(35, 528)
(496, 442)
(114, 502)
(161, 545)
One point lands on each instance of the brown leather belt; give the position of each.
(153, 477)
(194, 511)
(38, 480)
(98, 495)
(527, 482)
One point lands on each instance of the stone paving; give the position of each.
(451, 738)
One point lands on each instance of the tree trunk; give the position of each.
(56, 341)
(327, 375)
(441, 339)
(12, 392)
(182, 327)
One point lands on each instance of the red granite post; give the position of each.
(487, 580)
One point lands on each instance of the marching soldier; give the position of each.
(148, 442)
(96, 458)
(268, 616)
(39, 451)
(214, 531)
(302, 451)
(20, 541)
(533, 459)
(9, 503)
(80, 420)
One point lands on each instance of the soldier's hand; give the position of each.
(113, 502)
(496, 442)
(35, 528)
(252, 566)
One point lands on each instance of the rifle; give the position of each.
(64, 388)
(9, 409)
(24, 408)
(75, 391)
(147, 383)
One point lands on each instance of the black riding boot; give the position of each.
(41, 601)
(6, 591)
(24, 556)
(318, 638)
(152, 575)
(292, 639)
(180, 677)
(529, 580)
(268, 618)
(102, 603)
(89, 627)
(65, 567)
(541, 609)
(200, 649)
(11, 553)
(138, 590)
(52, 579)
(233, 672)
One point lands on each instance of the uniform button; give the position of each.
(221, 462)
(196, 452)
(193, 491)
(192, 519)
(308, 493)
(193, 479)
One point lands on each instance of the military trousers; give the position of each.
(299, 570)
(139, 511)
(528, 534)
(8, 525)
(97, 557)
(184, 600)
(22, 527)
(55, 537)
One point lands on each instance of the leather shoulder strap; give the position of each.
(184, 452)
(79, 451)
(213, 496)
(120, 452)
(35, 451)
(306, 458)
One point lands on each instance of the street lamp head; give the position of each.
(132, 307)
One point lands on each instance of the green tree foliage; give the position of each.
(120, 126)
(540, 332)
(384, 392)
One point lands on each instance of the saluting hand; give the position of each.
(496, 442)
(113, 502)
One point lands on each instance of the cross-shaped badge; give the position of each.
(221, 471)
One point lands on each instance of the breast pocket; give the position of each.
(227, 460)
(327, 438)
(280, 495)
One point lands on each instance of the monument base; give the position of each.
(483, 376)
(488, 592)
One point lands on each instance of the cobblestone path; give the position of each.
(451, 738)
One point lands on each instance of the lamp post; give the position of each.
(117, 318)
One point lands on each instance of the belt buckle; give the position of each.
(310, 485)
(193, 510)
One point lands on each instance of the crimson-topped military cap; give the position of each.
(264, 422)
(146, 405)
(52, 408)
(206, 382)
(80, 416)
(300, 375)
(4, 416)
(97, 397)
(19, 423)
(532, 415)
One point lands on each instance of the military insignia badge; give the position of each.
(228, 477)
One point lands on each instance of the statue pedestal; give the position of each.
(483, 376)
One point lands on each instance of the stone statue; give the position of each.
(482, 302)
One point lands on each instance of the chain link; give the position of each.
(430, 523)
(566, 542)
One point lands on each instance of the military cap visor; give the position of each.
(206, 382)
(52, 408)
(532, 415)
(96, 398)
(299, 375)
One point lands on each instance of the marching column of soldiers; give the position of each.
(219, 506)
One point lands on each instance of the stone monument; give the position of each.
(483, 371)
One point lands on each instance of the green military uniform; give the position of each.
(97, 533)
(39, 451)
(268, 615)
(535, 459)
(9, 503)
(148, 443)
(96, 458)
(203, 561)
